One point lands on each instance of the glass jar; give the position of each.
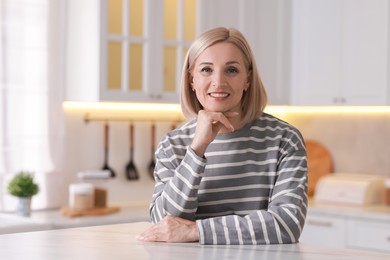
(81, 196)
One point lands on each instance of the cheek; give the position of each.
(200, 83)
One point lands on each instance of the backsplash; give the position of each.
(358, 143)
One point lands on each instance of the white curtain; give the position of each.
(31, 93)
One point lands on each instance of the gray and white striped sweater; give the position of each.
(250, 188)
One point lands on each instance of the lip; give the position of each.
(218, 94)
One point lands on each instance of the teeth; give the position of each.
(219, 95)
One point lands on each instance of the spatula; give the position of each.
(106, 144)
(152, 163)
(131, 170)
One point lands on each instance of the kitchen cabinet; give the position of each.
(127, 50)
(266, 26)
(365, 228)
(365, 234)
(155, 72)
(308, 52)
(340, 52)
(324, 230)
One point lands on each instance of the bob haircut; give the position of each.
(254, 99)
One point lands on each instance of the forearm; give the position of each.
(177, 195)
(281, 222)
(281, 225)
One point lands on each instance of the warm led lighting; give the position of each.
(156, 111)
(283, 110)
(117, 106)
(120, 111)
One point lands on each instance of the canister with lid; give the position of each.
(81, 196)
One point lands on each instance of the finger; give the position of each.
(231, 114)
(223, 119)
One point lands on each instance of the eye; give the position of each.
(231, 70)
(206, 69)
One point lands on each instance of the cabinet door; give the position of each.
(315, 71)
(143, 47)
(339, 52)
(127, 50)
(369, 235)
(266, 25)
(365, 52)
(324, 230)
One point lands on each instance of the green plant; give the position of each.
(23, 185)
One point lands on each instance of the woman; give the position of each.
(232, 175)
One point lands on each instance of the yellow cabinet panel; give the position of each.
(136, 17)
(170, 19)
(135, 68)
(114, 13)
(169, 69)
(189, 19)
(114, 65)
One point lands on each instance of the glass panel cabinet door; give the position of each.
(144, 43)
(179, 32)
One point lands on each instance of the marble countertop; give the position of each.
(118, 242)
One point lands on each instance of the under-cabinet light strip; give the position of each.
(162, 108)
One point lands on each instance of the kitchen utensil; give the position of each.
(131, 170)
(106, 144)
(319, 163)
(152, 163)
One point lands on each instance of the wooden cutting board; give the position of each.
(320, 163)
(89, 212)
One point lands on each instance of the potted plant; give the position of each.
(23, 187)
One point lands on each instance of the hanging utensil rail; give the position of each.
(88, 118)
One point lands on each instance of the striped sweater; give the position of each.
(249, 188)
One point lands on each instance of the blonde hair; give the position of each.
(254, 99)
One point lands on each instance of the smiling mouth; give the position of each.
(218, 95)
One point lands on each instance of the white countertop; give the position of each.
(370, 212)
(54, 219)
(119, 242)
(11, 223)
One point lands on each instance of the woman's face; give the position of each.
(220, 78)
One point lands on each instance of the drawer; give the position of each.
(324, 230)
(369, 235)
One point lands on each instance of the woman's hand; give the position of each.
(171, 229)
(207, 127)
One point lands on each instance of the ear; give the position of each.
(248, 79)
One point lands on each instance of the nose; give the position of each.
(218, 79)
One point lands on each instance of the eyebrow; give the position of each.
(227, 63)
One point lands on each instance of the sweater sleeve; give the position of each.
(281, 222)
(176, 186)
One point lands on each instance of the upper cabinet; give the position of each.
(308, 52)
(127, 50)
(340, 52)
(266, 26)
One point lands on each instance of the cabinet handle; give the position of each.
(388, 239)
(155, 96)
(339, 100)
(319, 223)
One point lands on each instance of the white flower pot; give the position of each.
(23, 206)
